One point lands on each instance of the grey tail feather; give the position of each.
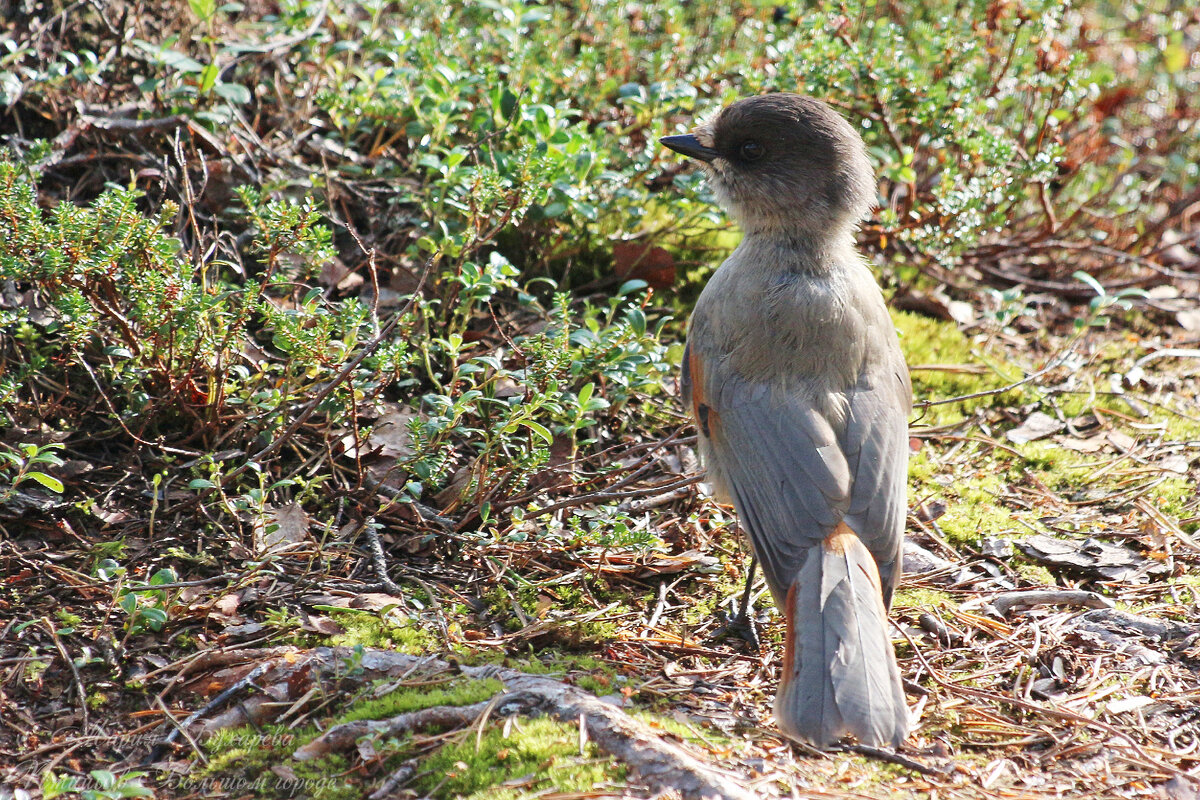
(840, 675)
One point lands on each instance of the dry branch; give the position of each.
(1050, 597)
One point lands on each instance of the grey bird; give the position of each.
(801, 398)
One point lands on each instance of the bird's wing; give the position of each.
(777, 458)
(792, 477)
(876, 446)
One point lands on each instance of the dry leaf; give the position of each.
(1037, 426)
(283, 526)
(1090, 557)
(322, 625)
(1122, 441)
(635, 260)
(1091, 444)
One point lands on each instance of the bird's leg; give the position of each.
(744, 609)
(743, 626)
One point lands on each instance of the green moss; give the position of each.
(544, 750)
(972, 510)
(1175, 497)
(920, 468)
(930, 342)
(240, 761)
(708, 599)
(1035, 574)
(1075, 404)
(688, 733)
(370, 629)
(1054, 461)
(67, 619)
(582, 670)
(242, 757)
(923, 599)
(414, 698)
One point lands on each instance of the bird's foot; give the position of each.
(742, 625)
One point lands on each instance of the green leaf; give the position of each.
(203, 9)
(628, 287)
(637, 320)
(540, 430)
(51, 483)
(168, 57)
(233, 92)
(209, 77)
(104, 778)
(1080, 275)
(155, 617)
(165, 575)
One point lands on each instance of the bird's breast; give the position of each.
(788, 331)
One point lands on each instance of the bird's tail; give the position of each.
(839, 670)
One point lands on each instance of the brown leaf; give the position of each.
(227, 605)
(374, 601)
(638, 261)
(1122, 441)
(1090, 557)
(391, 437)
(322, 625)
(924, 304)
(284, 526)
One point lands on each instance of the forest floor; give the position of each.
(264, 484)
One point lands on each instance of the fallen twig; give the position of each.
(600, 497)
(1050, 597)
(892, 757)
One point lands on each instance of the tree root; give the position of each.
(662, 765)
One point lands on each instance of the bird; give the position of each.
(800, 395)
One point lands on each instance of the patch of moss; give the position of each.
(1035, 574)
(972, 511)
(688, 733)
(588, 673)
(1074, 404)
(414, 698)
(927, 342)
(240, 761)
(921, 598)
(715, 591)
(67, 619)
(1175, 497)
(538, 755)
(537, 602)
(370, 629)
(1056, 465)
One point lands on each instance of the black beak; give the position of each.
(689, 146)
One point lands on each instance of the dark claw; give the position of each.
(744, 626)
(741, 626)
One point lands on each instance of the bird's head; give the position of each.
(784, 162)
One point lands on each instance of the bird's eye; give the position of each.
(751, 150)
